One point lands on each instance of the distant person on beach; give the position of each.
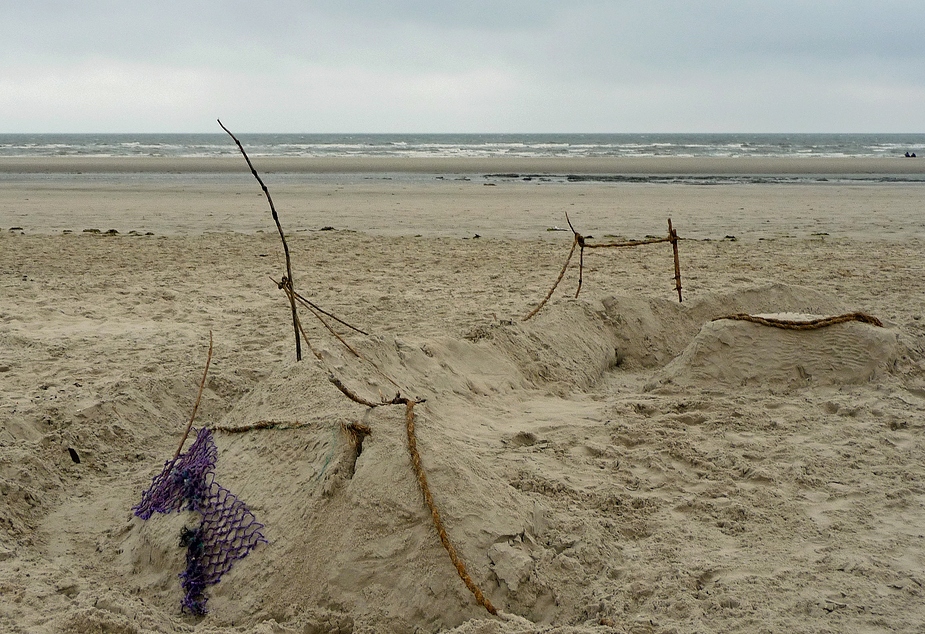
(910, 155)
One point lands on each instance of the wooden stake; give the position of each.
(288, 279)
(673, 236)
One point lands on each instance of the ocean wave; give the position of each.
(466, 145)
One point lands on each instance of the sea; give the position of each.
(890, 147)
(464, 145)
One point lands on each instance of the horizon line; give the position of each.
(347, 133)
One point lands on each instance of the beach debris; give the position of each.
(358, 431)
(673, 235)
(208, 556)
(581, 241)
(227, 530)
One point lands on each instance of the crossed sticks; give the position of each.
(581, 242)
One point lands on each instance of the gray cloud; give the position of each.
(495, 66)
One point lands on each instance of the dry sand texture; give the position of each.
(619, 463)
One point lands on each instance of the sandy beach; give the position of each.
(619, 463)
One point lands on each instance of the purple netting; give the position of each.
(181, 485)
(228, 530)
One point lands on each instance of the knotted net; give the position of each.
(227, 531)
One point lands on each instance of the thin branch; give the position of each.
(202, 386)
(315, 311)
(317, 308)
(319, 318)
(581, 265)
(308, 341)
(295, 317)
(353, 396)
(580, 241)
(673, 236)
(311, 305)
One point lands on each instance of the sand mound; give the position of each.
(573, 495)
(738, 353)
(653, 331)
(569, 347)
(347, 527)
(348, 532)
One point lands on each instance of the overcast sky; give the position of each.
(463, 66)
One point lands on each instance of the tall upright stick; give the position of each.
(202, 386)
(279, 227)
(673, 236)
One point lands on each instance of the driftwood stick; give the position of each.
(673, 236)
(349, 347)
(317, 308)
(309, 304)
(317, 312)
(580, 239)
(291, 293)
(581, 264)
(308, 341)
(282, 236)
(335, 334)
(398, 399)
(353, 396)
(202, 385)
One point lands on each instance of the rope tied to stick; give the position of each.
(356, 431)
(808, 324)
(580, 242)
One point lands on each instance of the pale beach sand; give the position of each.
(618, 463)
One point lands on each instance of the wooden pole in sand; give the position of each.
(673, 236)
(287, 281)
